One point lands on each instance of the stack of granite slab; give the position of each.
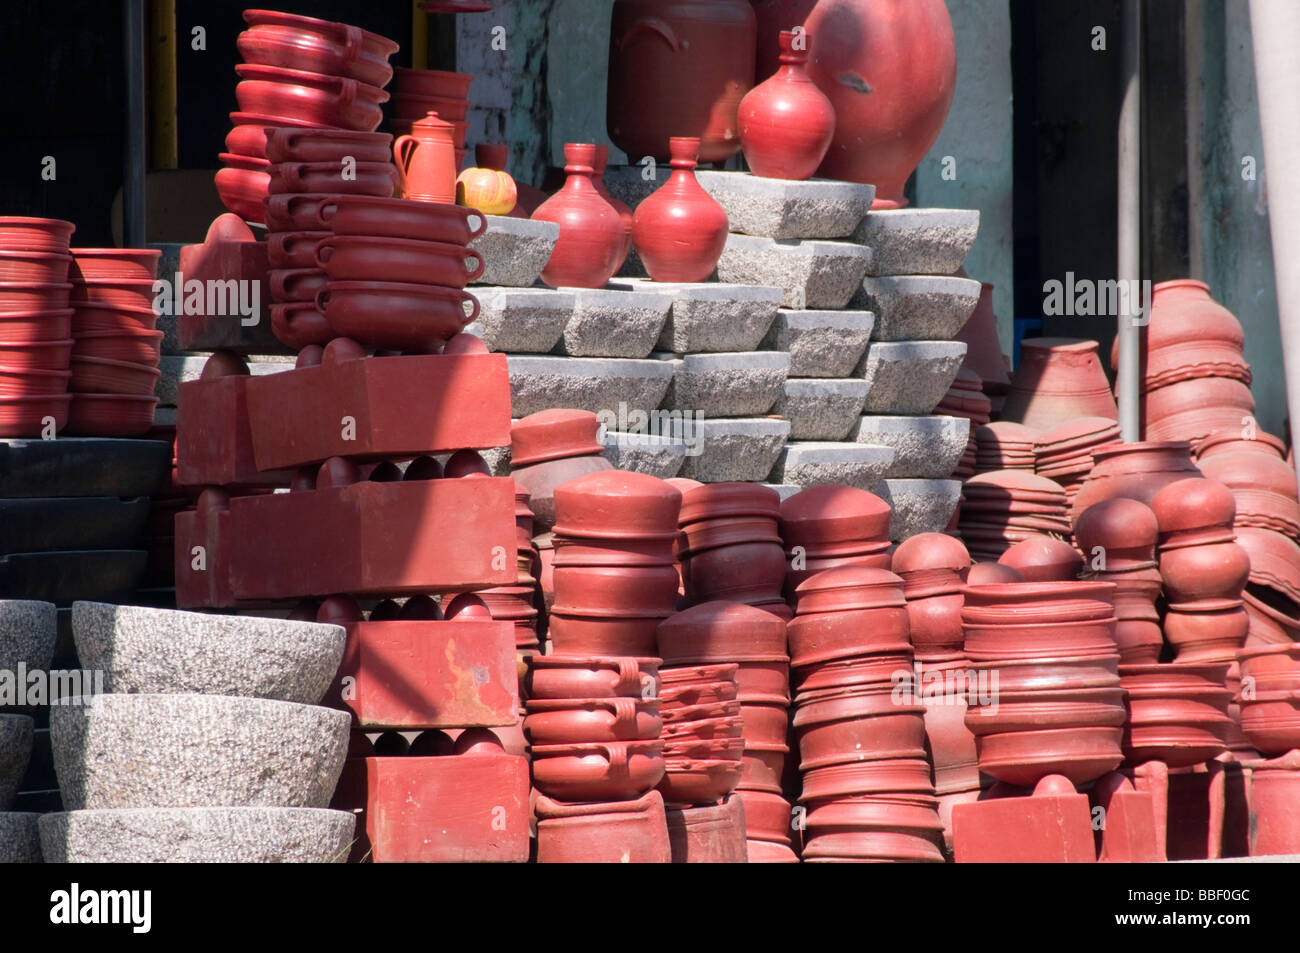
(207, 745)
(27, 637)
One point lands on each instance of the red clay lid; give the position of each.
(719, 500)
(930, 551)
(553, 435)
(833, 514)
(721, 631)
(613, 503)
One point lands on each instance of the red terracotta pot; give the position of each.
(558, 676)
(893, 776)
(313, 97)
(395, 316)
(114, 292)
(110, 415)
(1194, 511)
(738, 572)
(827, 520)
(357, 258)
(722, 632)
(288, 144)
(1023, 758)
(725, 501)
(376, 179)
(1038, 710)
(840, 590)
(94, 375)
(1193, 409)
(598, 180)
(858, 725)
(765, 683)
(698, 693)
(825, 636)
(611, 832)
(692, 714)
(36, 356)
(1197, 573)
(611, 771)
(321, 46)
(930, 552)
(602, 635)
(23, 233)
(1058, 379)
(1271, 720)
(631, 551)
(294, 249)
(28, 382)
(587, 252)
(617, 503)
(401, 218)
(680, 230)
(243, 191)
(541, 481)
(768, 817)
(765, 724)
(1044, 559)
(20, 297)
(615, 591)
(874, 669)
(1270, 660)
(578, 721)
(300, 324)
(678, 69)
(1037, 613)
(432, 82)
(1046, 674)
(1274, 816)
(699, 780)
(1039, 640)
(681, 676)
(1140, 641)
(813, 566)
(764, 767)
(934, 623)
(86, 318)
(873, 847)
(29, 416)
(1124, 530)
(786, 122)
(1135, 470)
(33, 267)
(34, 327)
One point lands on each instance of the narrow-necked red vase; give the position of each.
(624, 213)
(786, 122)
(591, 234)
(680, 230)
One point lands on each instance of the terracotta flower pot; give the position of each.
(557, 676)
(678, 69)
(586, 255)
(1058, 379)
(313, 97)
(29, 416)
(1042, 710)
(578, 721)
(24, 233)
(358, 258)
(721, 631)
(680, 230)
(287, 144)
(396, 316)
(321, 46)
(611, 771)
(786, 122)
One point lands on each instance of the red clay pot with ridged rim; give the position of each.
(842, 590)
(879, 667)
(555, 676)
(1275, 792)
(34, 267)
(1271, 720)
(1206, 631)
(721, 632)
(580, 720)
(738, 572)
(615, 591)
(617, 503)
(586, 255)
(890, 776)
(825, 636)
(605, 771)
(396, 316)
(768, 817)
(1023, 758)
(930, 552)
(580, 634)
(1197, 573)
(322, 46)
(765, 683)
(680, 230)
(1049, 674)
(716, 501)
(1270, 660)
(1089, 637)
(858, 725)
(764, 767)
(114, 263)
(313, 97)
(1137, 471)
(38, 355)
(1037, 710)
(699, 780)
(786, 123)
(934, 623)
(1056, 380)
(825, 519)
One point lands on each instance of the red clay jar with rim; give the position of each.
(841, 590)
(680, 229)
(1194, 512)
(624, 212)
(580, 720)
(716, 501)
(321, 46)
(426, 161)
(1135, 470)
(27, 416)
(786, 122)
(1206, 631)
(19, 297)
(1194, 574)
(556, 676)
(1194, 409)
(721, 632)
(1265, 661)
(604, 771)
(29, 382)
(678, 67)
(1271, 720)
(586, 255)
(737, 572)
(878, 667)
(359, 258)
(1044, 559)
(617, 503)
(1122, 531)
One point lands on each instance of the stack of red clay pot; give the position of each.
(1195, 380)
(832, 527)
(1064, 453)
(934, 568)
(418, 92)
(115, 370)
(302, 73)
(1003, 445)
(1003, 507)
(1118, 540)
(1253, 466)
(867, 788)
(730, 546)
(35, 325)
(1057, 707)
(694, 644)
(1058, 380)
(966, 399)
(1270, 697)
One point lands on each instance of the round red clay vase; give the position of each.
(680, 230)
(1193, 512)
(1197, 573)
(786, 122)
(588, 251)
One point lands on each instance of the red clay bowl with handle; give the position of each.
(401, 218)
(365, 258)
(321, 46)
(591, 676)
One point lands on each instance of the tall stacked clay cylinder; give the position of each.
(598, 751)
(207, 745)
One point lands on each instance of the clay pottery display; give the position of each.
(786, 122)
(311, 97)
(578, 720)
(934, 624)
(617, 503)
(125, 263)
(751, 573)
(602, 635)
(840, 590)
(680, 230)
(858, 725)
(930, 564)
(721, 632)
(321, 46)
(1057, 380)
(396, 316)
(24, 233)
(360, 258)
(528, 197)
(400, 218)
(699, 780)
(678, 68)
(1135, 470)
(1189, 334)
(426, 161)
(608, 771)
(1043, 559)
(586, 255)
(874, 828)
(378, 179)
(109, 415)
(555, 676)
(287, 144)
(243, 191)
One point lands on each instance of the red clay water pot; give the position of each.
(891, 776)
(553, 435)
(313, 97)
(19, 297)
(581, 720)
(24, 233)
(396, 316)
(94, 375)
(110, 415)
(1044, 559)
(28, 382)
(699, 780)
(939, 554)
(1197, 573)
(286, 250)
(1271, 720)
(401, 218)
(560, 677)
(680, 230)
(587, 252)
(1194, 511)
(36, 327)
(858, 725)
(1023, 758)
(722, 632)
(34, 267)
(608, 771)
(631, 831)
(358, 258)
(287, 144)
(828, 520)
(1135, 470)
(678, 69)
(36, 356)
(825, 636)
(377, 179)
(321, 46)
(1124, 530)
(786, 122)
(616, 503)
(615, 591)
(603, 635)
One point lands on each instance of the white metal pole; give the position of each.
(1129, 265)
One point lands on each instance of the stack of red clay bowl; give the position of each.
(1118, 540)
(1270, 697)
(965, 398)
(858, 715)
(934, 569)
(1043, 559)
(730, 546)
(1178, 713)
(593, 724)
(695, 642)
(117, 351)
(831, 527)
(1046, 696)
(1064, 453)
(1253, 466)
(1001, 508)
(302, 73)
(418, 92)
(1003, 445)
(35, 325)
(615, 579)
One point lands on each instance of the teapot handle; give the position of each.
(402, 155)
